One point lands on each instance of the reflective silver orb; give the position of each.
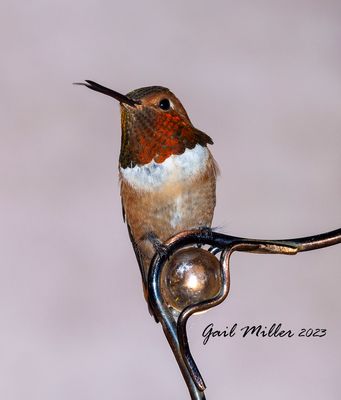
(189, 277)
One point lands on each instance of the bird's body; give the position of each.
(163, 199)
(167, 173)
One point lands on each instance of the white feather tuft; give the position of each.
(174, 169)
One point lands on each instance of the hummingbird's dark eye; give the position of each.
(164, 104)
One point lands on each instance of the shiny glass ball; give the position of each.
(190, 276)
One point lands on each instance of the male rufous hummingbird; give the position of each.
(167, 173)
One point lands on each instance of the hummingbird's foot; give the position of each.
(206, 232)
(159, 247)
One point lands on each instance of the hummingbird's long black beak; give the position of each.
(109, 92)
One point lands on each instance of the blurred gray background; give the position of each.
(264, 80)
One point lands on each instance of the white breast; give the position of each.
(174, 169)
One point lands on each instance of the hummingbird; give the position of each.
(167, 173)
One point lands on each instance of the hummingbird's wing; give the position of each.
(136, 251)
(139, 259)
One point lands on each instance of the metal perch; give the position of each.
(174, 323)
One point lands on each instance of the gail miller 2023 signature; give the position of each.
(262, 331)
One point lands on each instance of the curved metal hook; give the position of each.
(175, 326)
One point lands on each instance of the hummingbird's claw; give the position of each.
(206, 232)
(159, 247)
